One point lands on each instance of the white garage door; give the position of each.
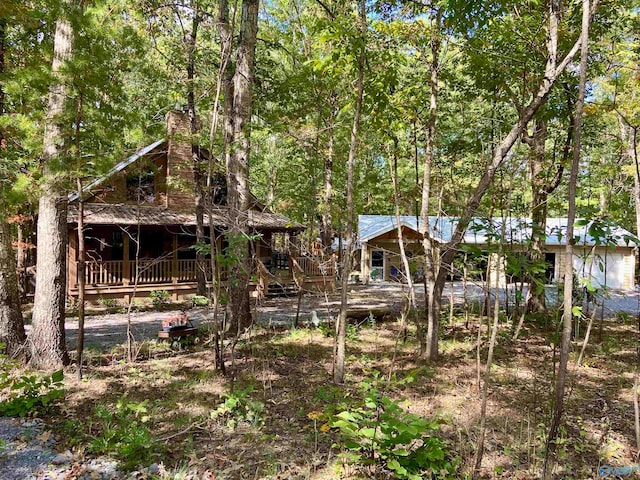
(602, 271)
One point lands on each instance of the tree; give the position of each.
(567, 314)
(47, 339)
(341, 325)
(444, 254)
(12, 334)
(237, 108)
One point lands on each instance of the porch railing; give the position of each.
(103, 273)
(314, 268)
(114, 272)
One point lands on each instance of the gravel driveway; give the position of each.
(108, 330)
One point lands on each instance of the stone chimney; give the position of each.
(179, 162)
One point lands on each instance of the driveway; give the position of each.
(107, 330)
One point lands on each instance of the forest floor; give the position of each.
(171, 413)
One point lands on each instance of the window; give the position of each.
(218, 189)
(141, 187)
(377, 259)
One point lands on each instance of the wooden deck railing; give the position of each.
(113, 272)
(104, 273)
(315, 268)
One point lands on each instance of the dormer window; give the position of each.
(141, 187)
(218, 189)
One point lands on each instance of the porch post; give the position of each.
(174, 260)
(364, 262)
(126, 267)
(72, 261)
(174, 267)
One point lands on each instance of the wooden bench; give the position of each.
(183, 332)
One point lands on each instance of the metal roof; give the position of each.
(516, 230)
(118, 168)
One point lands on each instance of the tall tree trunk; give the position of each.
(47, 339)
(541, 188)
(567, 316)
(341, 327)
(81, 281)
(11, 325)
(239, 313)
(629, 134)
(326, 228)
(81, 249)
(537, 143)
(198, 175)
(12, 334)
(3, 43)
(436, 272)
(433, 293)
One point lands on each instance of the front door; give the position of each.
(377, 265)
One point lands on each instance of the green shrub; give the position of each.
(199, 301)
(379, 437)
(238, 407)
(25, 394)
(108, 303)
(124, 433)
(159, 298)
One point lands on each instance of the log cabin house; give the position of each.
(144, 208)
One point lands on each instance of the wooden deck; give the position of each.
(118, 279)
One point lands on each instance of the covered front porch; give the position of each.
(163, 258)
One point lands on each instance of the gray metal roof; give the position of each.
(516, 230)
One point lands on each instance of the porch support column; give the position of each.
(364, 263)
(72, 262)
(174, 261)
(126, 266)
(174, 267)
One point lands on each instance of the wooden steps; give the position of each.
(282, 290)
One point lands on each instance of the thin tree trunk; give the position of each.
(403, 253)
(341, 327)
(12, 334)
(585, 342)
(47, 339)
(326, 228)
(537, 142)
(567, 316)
(81, 281)
(487, 372)
(81, 250)
(433, 291)
(629, 134)
(198, 176)
(239, 312)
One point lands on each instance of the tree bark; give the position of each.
(239, 313)
(47, 339)
(81, 280)
(567, 316)
(326, 227)
(629, 134)
(433, 293)
(12, 334)
(341, 327)
(536, 294)
(198, 175)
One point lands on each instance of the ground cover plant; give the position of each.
(277, 413)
